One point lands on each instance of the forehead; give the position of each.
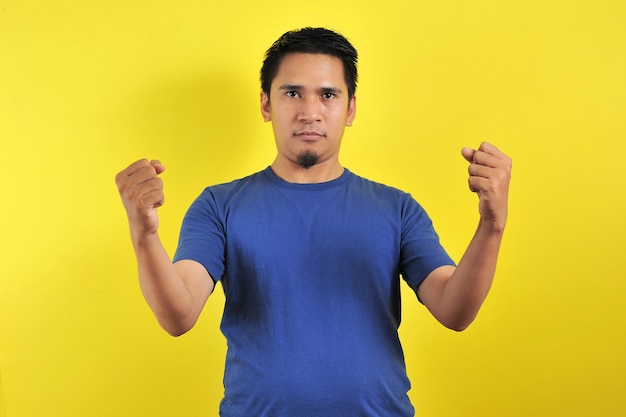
(310, 69)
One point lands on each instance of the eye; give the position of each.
(292, 94)
(328, 96)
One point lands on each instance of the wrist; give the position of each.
(492, 226)
(144, 239)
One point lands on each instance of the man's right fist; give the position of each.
(142, 193)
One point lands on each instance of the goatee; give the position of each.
(307, 159)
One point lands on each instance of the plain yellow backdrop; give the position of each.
(86, 87)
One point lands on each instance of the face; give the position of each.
(309, 109)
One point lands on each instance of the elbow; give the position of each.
(176, 332)
(458, 324)
(458, 327)
(175, 328)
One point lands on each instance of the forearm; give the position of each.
(454, 295)
(163, 287)
(468, 286)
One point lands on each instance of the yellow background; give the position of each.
(87, 87)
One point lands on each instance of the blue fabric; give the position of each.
(311, 277)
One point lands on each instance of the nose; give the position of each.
(309, 111)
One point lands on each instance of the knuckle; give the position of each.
(503, 176)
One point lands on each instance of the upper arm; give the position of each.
(197, 280)
(431, 289)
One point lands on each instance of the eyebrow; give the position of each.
(290, 87)
(297, 87)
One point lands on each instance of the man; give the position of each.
(310, 254)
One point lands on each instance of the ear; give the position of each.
(265, 107)
(351, 111)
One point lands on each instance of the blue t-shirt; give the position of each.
(311, 278)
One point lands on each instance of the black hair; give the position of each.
(312, 41)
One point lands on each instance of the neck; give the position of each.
(294, 173)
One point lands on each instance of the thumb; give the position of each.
(158, 166)
(468, 154)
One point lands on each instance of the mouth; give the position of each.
(309, 134)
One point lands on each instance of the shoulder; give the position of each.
(391, 200)
(226, 191)
(215, 200)
(380, 191)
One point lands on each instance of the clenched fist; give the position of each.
(489, 177)
(141, 190)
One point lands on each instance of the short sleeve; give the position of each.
(420, 249)
(202, 235)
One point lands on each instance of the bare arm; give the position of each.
(176, 293)
(454, 295)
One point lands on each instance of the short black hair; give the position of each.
(310, 40)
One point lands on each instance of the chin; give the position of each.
(307, 159)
